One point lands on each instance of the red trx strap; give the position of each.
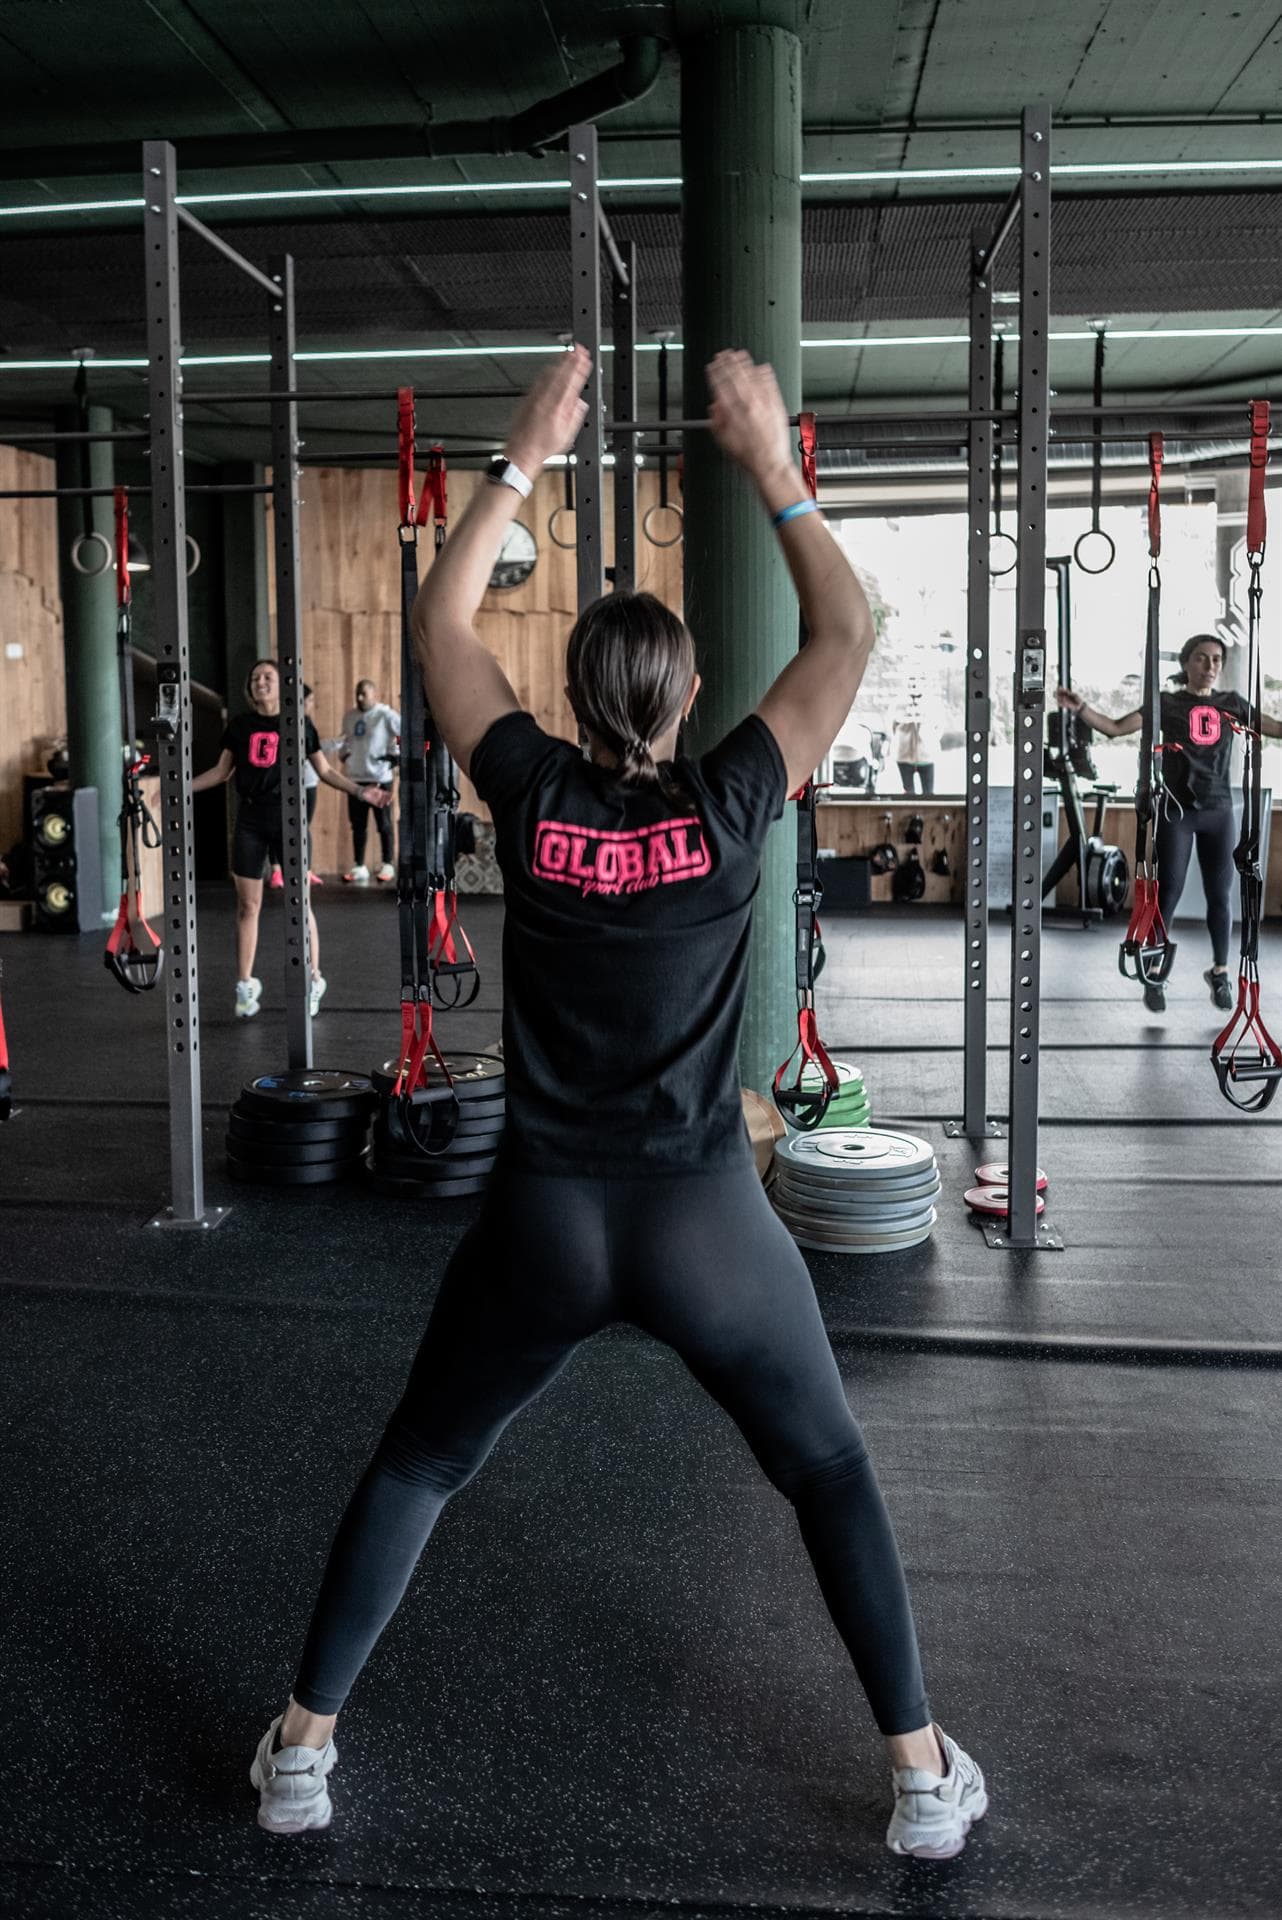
(6, 1084)
(134, 954)
(1147, 954)
(806, 1100)
(1245, 1054)
(413, 882)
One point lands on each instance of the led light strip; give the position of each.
(863, 176)
(852, 344)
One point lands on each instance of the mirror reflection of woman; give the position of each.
(1198, 726)
(251, 754)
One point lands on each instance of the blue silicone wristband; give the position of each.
(794, 513)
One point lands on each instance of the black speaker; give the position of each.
(67, 885)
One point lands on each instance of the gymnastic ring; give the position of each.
(663, 506)
(1094, 533)
(83, 540)
(567, 545)
(193, 555)
(997, 573)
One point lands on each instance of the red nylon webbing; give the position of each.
(1256, 523)
(405, 455)
(120, 502)
(1155, 446)
(809, 464)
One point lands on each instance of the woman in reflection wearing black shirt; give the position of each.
(626, 1190)
(251, 753)
(1198, 725)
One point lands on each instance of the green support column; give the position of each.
(94, 737)
(741, 274)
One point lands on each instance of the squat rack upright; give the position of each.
(1028, 207)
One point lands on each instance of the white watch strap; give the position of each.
(511, 476)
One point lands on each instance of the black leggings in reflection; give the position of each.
(1215, 831)
(701, 1263)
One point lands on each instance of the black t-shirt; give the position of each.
(1201, 726)
(625, 948)
(253, 741)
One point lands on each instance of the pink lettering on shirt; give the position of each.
(1204, 726)
(629, 862)
(263, 749)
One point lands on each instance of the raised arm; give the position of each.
(808, 703)
(467, 690)
(217, 775)
(1102, 722)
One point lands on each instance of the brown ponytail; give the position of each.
(630, 666)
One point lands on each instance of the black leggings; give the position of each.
(924, 770)
(1215, 832)
(701, 1263)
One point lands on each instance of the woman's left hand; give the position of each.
(549, 418)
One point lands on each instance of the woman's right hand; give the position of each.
(1065, 697)
(748, 418)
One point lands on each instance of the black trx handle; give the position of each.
(1245, 1054)
(134, 955)
(1096, 532)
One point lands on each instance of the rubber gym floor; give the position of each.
(612, 1689)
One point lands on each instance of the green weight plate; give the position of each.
(850, 1078)
(319, 1175)
(294, 1129)
(476, 1076)
(312, 1094)
(253, 1153)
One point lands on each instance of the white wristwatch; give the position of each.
(504, 474)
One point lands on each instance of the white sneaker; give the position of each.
(357, 873)
(249, 994)
(317, 995)
(933, 1814)
(386, 872)
(292, 1794)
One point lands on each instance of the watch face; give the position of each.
(516, 558)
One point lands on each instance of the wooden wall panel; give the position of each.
(350, 566)
(856, 827)
(32, 694)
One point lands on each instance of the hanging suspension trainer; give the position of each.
(1147, 954)
(6, 1080)
(1245, 1055)
(803, 1104)
(996, 550)
(1095, 532)
(134, 952)
(425, 1129)
(663, 504)
(456, 981)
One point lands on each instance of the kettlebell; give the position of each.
(910, 877)
(941, 864)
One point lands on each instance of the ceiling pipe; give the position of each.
(530, 131)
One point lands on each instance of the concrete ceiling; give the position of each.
(922, 84)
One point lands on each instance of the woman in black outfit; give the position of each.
(629, 878)
(1198, 725)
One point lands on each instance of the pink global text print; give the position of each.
(628, 862)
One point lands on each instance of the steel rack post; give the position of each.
(623, 399)
(589, 448)
(975, 1123)
(1021, 1229)
(173, 691)
(294, 849)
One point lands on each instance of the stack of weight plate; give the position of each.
(856, 1189)
(460, 1164)
(849, 1105)
(299, 1129)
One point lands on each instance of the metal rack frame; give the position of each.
(590, 236)
(162, 218)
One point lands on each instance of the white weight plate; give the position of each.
(856, 1208)
(898, 1244)
(855, 1232)
(858, 1154)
